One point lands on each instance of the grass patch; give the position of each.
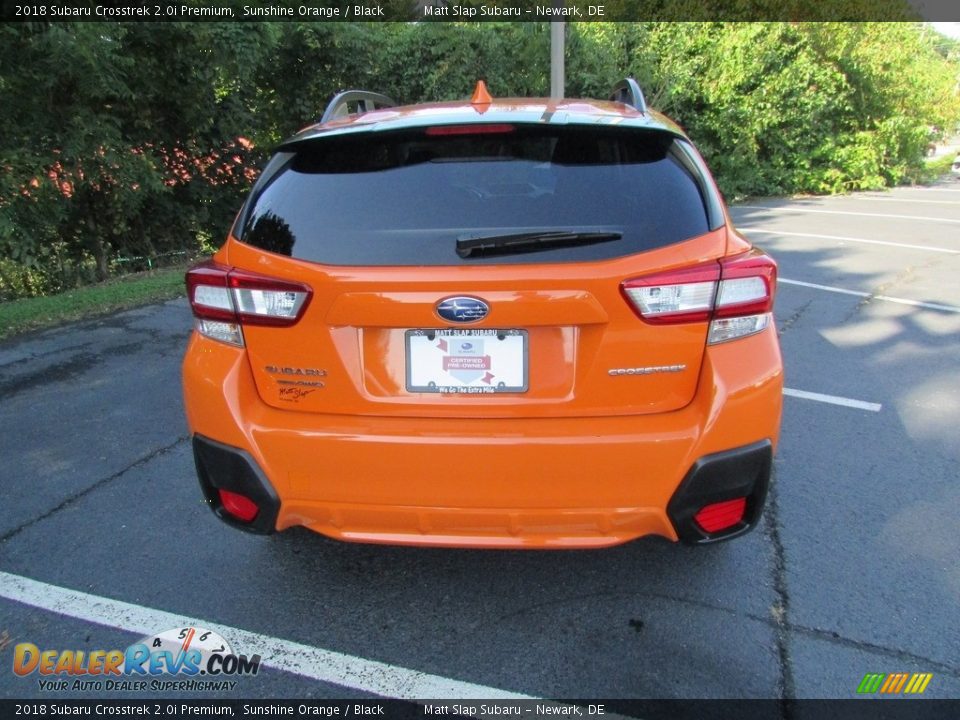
(17, 316)
(934, 169)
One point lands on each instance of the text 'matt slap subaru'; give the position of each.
(500, 323)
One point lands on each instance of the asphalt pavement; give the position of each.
(104, 538)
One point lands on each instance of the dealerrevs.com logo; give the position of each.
(181, 659)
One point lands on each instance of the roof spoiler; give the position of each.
(363, 100)
(628, 92)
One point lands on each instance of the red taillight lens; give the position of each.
(224, 298)
(722, 515)
(735, 293)
(240, 506)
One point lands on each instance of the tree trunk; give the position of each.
(99, 251)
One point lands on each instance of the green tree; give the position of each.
(121, 140)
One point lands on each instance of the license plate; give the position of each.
(466, 362)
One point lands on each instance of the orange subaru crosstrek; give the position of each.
(512, 323)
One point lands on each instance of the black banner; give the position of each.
(874, 709)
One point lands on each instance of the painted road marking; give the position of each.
(927, 189)
(347, 671)
(833, 400)
(950, 251)
(847, 212)
(885, 298)
(906, 200)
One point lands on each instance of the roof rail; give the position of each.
(628, 92)
(364, 100)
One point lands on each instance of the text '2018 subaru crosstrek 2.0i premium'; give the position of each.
(510, 323)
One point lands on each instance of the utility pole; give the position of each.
(557, 70)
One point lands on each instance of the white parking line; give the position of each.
(846, 212)
(327, 666)
(859, 293)
(906, 200)
(833, 400)
(950, 251)
(929, 189)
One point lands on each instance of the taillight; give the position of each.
(224, 299)
(735, 294)
(747, 284)
(675, 297)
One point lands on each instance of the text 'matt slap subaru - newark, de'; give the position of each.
(503, 323)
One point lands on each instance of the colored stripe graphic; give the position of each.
(871, 682)
(894, 683)
(918, 683)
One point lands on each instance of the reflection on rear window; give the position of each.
(405, 198)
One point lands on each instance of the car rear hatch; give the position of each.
(498, 270)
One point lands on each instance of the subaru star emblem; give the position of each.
(462, 309)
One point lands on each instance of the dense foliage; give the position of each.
(124, 143)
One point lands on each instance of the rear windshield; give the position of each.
(406, 198)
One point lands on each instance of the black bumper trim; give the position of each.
(741, 472)
(224, 467)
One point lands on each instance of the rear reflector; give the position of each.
(735, 294)
(223, 299)
(240, 506)
(722, 515)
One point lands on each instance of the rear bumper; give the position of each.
(510, 483)
(221, 467)
(742, 472)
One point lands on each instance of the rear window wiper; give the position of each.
(471, 247)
